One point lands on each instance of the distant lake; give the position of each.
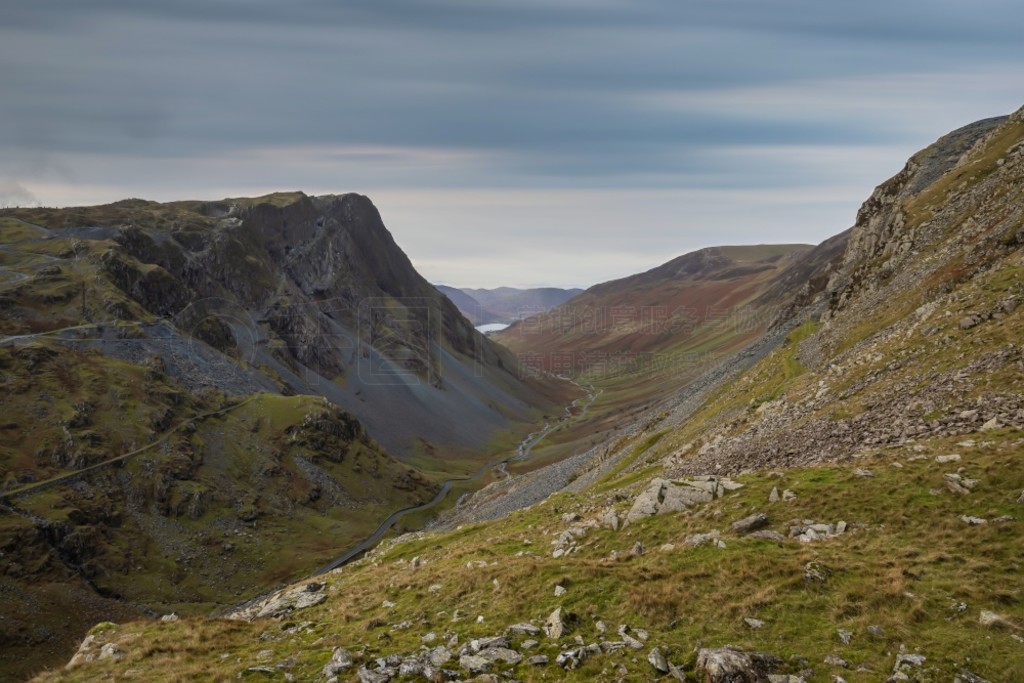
(491, 327)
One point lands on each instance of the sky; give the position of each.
(505, 142)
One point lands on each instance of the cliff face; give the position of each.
(306, 295)
(210, 398)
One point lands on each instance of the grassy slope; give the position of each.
(905, 566)
(667, 329)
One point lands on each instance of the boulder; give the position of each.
(657, 660)
(475, 664)
(554, 627)
(726, 665)
(751, 523)
(341, 660)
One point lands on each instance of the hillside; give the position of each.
(505, 304)
(845, 508)
(639, 340)
(207, 399)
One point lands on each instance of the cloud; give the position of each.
(15, 194)
(459, 98)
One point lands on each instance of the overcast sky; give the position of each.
(506, 142)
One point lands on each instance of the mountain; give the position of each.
(842, 503)
(505, 304)
(205, 399)
(640, 339)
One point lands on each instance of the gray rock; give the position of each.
(610, 519)
(439, 656)
(632, 642)
(753, 623)
(479, 644)
(955, 487)
(410, 667)
(815, 572)
(559, 591)
(284, 602)
(726, 665)
(379, 676)
(697, 540)
(341, 660)
(475, 664)
(845, 636)
(647, 503)
(751, 523)
(774, 496)
(656, 659)
(836, 660)
(768, 535)
(554, 627)
(501, 654)
(523, 630)
(788, 495)
(679, 498)
(876, 631)
(991, 424)
(943, 459)
(638, 549)
(111, 651)
(972, 521)
(966, 676)
(538, 660)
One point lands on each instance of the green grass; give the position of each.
(903, 564)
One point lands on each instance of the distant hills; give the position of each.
(505, 304)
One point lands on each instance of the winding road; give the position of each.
(521, 453)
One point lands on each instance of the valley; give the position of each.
(757, 464)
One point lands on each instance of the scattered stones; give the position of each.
(751, 523)
(966, 676)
